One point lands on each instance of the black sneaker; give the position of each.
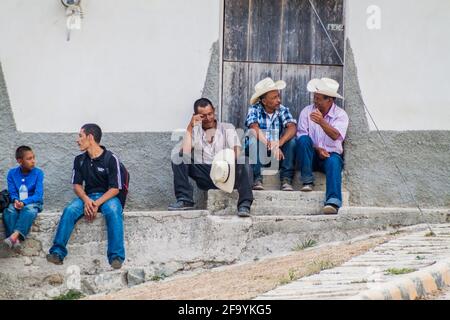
(180, 205)
(116, 264)
(54, 258)
(258, 185)
(243, 212)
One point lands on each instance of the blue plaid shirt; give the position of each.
(273, 125)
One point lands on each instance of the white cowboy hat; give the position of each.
(325, 86)
(265, 86)
(223, 170)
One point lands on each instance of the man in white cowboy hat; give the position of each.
(271, 129)
(321, 131)
(209, 154)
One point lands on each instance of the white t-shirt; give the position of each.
(225, 137)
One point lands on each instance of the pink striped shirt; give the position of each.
(336, 117)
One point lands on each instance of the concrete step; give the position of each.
(271, 202)
(271, 180)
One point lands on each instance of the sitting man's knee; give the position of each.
(304, 140)
(10, 209)
(112, 206)
(291, 144)
(30, 209)
(334, 160)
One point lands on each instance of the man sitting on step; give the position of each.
(205, 157)
(271, 129)
(321, 131)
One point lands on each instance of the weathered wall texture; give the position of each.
(371, 177)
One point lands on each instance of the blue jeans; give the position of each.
(308, 161)
(20, 220)
(255, 151)
(111, 210)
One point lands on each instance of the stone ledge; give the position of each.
(164, 243)
(271, 202)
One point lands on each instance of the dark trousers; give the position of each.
(200, 173)
(332, 167)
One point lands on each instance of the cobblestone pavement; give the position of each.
(380, 265)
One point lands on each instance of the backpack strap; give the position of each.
(108, 155)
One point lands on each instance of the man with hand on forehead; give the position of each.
(204, 142)
(321, 131)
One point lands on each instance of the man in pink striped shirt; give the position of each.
(321, 131)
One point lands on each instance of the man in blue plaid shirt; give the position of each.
(271, 131)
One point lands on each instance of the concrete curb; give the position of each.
(412, 286)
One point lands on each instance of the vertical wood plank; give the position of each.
(297, 32)
(331, 13)
(265, 31)
(295, 96)
(236, 15)
(235, 93)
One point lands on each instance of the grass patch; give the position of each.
(359, 281)
(321, 265)
(70, 295)
(430, 234)
(291, 277)
(420, 258)
(325, 264)
(158, 277)
(309, 243)
(396, 271)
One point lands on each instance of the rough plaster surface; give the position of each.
(212, 83)
(370, 174)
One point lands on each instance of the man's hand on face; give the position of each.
(317, 117)
(196, 120)
(323, 154)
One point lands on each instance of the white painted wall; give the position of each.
(403, 68)
(136, 65)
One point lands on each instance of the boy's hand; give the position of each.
(18, 204)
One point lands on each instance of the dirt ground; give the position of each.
(248, 280)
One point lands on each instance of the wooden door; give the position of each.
(282, 39)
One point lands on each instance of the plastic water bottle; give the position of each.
(23, 191)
